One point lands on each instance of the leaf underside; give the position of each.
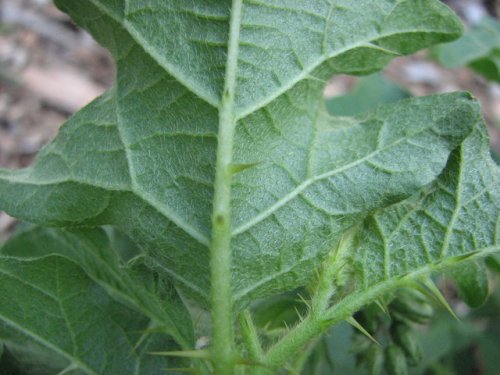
(456, 217)
(142, 156)
(63, 320)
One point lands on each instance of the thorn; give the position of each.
(298, 313)
(237, 168)
(200, 354)
(432, 290)
(463, 257)
(181, 369)
(382, 306)
(276, 332)
(287, 328)
(138, 343)
(266, 326)
(247, 362)
(360, 328)
(144, 334)
(304, 301)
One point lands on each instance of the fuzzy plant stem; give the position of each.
(223, 347)
(315, 322)
(252, 344)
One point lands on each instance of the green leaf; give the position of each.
(60, 313)
(452, 220)
(472, 282)
(493, 263)
(395, 361)
(90, 249)
(215, 154)
(142, 156)
(455, 218)
(479, 48)
(368, 93)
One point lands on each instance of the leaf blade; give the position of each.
(79, 324)
(451, 235)
(91, 250)
(148, 161)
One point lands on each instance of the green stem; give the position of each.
(322, 315)
(252, 343)
(295, 340)
(223, 346)
(315, 322)
(319, 320)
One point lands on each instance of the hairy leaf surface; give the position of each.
(142, 156)
(90, 249)
(62, 320)
(457, 217)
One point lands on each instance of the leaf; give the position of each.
(368, 93)
(455, 219)
(279, 312)
(50, 303)
(142, 157)
(472, 282)
(333, 354)
(493, 263)
(90, 249)
(479, 48)
(8, 364)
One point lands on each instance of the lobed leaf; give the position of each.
(456, 218)
(453, 220)
(142, 156)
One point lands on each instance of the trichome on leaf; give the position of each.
(350, 208)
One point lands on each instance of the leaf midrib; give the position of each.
(180, 77)
(171, 69)
(215, 102)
